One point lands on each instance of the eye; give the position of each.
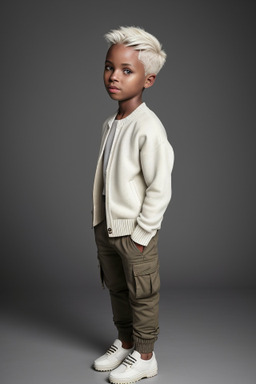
(108, 68)
(127, 71)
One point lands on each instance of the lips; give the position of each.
(113, 89)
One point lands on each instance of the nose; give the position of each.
(114, 75)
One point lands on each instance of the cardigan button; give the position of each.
(110, 230)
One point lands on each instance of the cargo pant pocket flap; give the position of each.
(147, 280)
(145, 268)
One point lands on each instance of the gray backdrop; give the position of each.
(53, 105)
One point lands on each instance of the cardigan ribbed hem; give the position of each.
(121, 227)
(129, 227)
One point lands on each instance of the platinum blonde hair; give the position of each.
(150, 50)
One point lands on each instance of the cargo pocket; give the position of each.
(147, 280)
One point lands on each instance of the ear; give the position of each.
(149, 80)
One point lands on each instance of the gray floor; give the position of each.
(207, 337)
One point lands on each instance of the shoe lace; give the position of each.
(129, 361)
(112, 349)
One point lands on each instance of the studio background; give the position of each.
(54, 103)
(55, 318)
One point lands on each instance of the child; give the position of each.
(132, 189)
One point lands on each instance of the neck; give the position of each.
(127, 107)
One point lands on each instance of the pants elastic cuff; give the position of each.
(144, 346)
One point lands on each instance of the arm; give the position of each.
(157, 159)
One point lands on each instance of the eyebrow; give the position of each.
(123, 64)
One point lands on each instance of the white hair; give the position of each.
(150, 50)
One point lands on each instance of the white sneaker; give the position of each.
(112, 358)
(133, 369)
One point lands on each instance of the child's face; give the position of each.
(124, 74)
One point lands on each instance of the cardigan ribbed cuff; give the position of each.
(141, 236)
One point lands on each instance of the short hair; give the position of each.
(150, 50)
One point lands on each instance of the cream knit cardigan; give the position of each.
(138, 177)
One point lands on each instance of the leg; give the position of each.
(142, 277)
(114, 278)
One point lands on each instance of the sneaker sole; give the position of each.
(135, 379)
(107, 368)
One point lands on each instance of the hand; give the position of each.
(139, 246)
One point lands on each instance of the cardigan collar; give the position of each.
(130, 117)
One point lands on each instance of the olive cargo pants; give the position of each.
(133, 281)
